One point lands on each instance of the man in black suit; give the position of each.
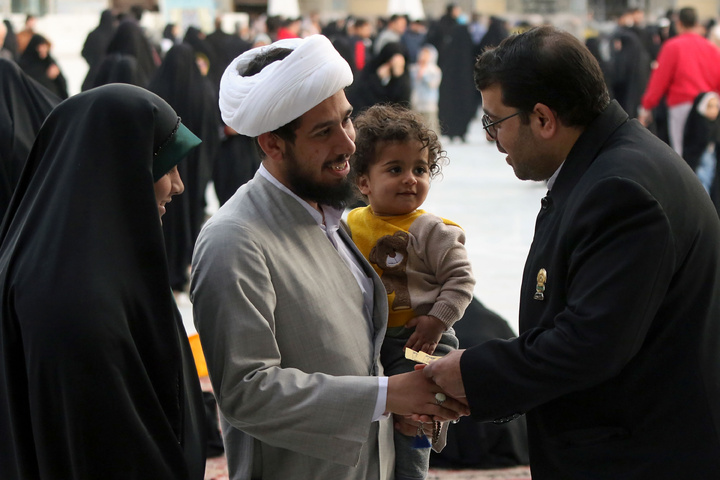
(617, 364)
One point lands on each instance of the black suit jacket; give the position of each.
(617, 367)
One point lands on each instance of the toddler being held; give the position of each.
(420, 257)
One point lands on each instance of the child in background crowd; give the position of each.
(426, 77)
(421, 258)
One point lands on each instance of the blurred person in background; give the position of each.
(413, 39)
(426, 77)
(179, 82)
(226, 46)
(197, 39)
(290, 28)
(439, 32)
(37, 62)
(5, 52)
(630, 62)
(477, 27)
(687, 65)
(24, 104)
(10, 42)
(385, 79)
(25, 35)
(117, 68)
(392, 33)
(170, 37)
(129, 39)
(457, 102)
(311, 24)
(98, 39)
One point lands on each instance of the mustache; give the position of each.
(339, 158)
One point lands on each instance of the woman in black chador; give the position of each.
(24, 104)
(116, 68)
(97, 378)
(236, 162)
(198, 41)
(37, 62)
(179, 82)
(385, 79)
(458, 103)
(129, 39)
(10, 43)
(97, 41)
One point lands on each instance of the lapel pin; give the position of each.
(540, 286)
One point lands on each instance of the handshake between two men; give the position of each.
(433, 392)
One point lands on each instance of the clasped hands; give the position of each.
(412, 395)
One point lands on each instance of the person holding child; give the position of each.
(290, 315)
(421, 258)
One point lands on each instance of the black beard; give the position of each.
(337, 196)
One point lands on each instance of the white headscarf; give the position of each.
(284, 89)
(702, 107)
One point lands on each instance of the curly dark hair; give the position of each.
(382, 124)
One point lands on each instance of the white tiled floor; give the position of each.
(480, 192)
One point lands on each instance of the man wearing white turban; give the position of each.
(290, 315)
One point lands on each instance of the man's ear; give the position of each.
(272, 145)
(546, 121)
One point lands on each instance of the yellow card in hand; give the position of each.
(420, 357)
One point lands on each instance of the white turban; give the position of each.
(284, 89)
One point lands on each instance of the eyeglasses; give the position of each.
(490, 126)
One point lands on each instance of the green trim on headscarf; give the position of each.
(175, 148)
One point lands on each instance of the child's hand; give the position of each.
(426, 336)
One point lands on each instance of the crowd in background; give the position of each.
(667, 88)
(424, 64)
